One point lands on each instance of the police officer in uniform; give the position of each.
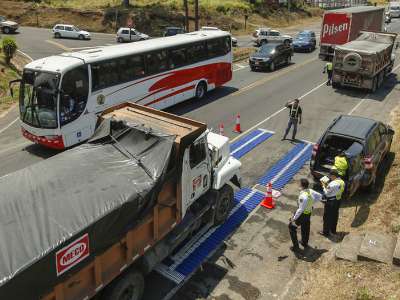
(329, 69)
(302, 216)
(333, 192)
(295, 113)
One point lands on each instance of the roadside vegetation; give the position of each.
(378, 211)
(7, 73)
(152, 16)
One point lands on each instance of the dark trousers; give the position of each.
(331, 216)
(330, 73)
(304, 222)
(289, 125)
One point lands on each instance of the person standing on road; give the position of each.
(295, 113)
(333, 192)
(328, 69)
(302, 216)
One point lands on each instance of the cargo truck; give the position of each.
(94, 220)
(343, 25)
(364, 62)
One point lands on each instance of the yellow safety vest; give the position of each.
(310, 202)
(341, 165)
(329, 66)
(341, 190)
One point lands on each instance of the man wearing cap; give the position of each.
(333, 192)
(295, 113)
(302, 216)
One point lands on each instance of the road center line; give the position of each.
(61, 46)
(274, 114)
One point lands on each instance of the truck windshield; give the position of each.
(38, 99)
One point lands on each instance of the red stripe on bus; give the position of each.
(188, 88)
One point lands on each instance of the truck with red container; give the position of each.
(344, 25)
(92, 221)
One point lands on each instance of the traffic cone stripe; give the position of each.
(268, 201)
(238, 129)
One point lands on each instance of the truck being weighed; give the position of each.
(93, 220)
(344, 25)
(364, 62)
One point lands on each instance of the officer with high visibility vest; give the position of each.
(302, 216)
(333, 193)
(341, 165)
(329, 69)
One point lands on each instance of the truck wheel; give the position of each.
(6, 30)
(129, 287)
(223, 204)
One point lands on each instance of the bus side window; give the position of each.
(218, 47)
(130, 68)
(156, 62)
(196, 52)
(177, 58)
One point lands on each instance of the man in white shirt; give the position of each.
(333, 192)
(302, 216)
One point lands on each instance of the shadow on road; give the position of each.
(193, 104)
(388, 85)
(41, 151)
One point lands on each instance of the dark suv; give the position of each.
(269, 56)
(365, 143)
(170, 31)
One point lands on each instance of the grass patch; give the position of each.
(364, 294)
(7, 73)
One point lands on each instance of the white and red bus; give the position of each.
(62, 95)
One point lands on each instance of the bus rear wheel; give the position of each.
(129, 287)
(201, 90)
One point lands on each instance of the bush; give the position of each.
(9, 47)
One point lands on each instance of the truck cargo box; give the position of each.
(343, 25)
(56, 215)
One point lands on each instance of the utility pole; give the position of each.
(186, 7)
(196, 14)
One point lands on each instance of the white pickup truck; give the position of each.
(267, 35)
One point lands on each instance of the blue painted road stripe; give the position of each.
(249, 142)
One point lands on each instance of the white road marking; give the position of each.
(21, 145)
(367, 96)
(8, 126)
(26, 55)
(274, 114)
(239, 67)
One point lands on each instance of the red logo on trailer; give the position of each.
(335, 29)
(71, 255)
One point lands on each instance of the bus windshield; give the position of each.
(38, 99)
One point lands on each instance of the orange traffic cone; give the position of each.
(237, 126)
(268, 201)
(221, 129)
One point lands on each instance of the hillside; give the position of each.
(150, 16)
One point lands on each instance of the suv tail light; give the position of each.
(315, 149)
(368, 162)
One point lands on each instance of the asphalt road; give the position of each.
(259, 98)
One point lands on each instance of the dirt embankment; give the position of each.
(151, 19)
(377, 211)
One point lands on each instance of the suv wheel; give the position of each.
(6, 30)
(81, 37)
(272, 66)
(120, 40)
(57, 35)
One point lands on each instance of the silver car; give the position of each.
(7, 26)
(123, 35)
(70, 31)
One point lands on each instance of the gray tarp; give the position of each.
(97, 188)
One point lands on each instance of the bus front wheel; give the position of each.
(201, 90)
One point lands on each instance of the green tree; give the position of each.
(9, 47)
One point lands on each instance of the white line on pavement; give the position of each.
(26, 55)
(21, 145)
(8, 126)
(274, 114)
(367, 96)
(248, 142)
